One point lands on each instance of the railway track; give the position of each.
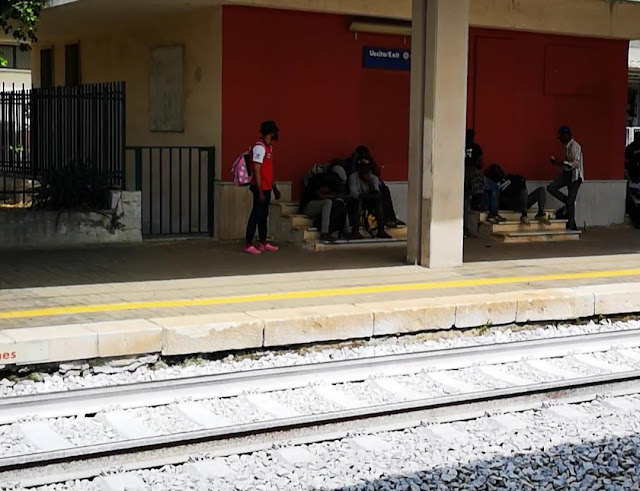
(170, 422)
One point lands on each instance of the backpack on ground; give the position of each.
(241, 169)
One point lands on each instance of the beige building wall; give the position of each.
(15, 79)
(598, 18)
(121, 51)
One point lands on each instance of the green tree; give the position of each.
(19, 19)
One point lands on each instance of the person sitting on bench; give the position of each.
(324, 200)
(514, 195)
(362, 155)
(364, 188)
(481, 193)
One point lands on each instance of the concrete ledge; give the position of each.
(619, 298)
(556, 305)
(210, 333)
(292, 326)
(487, 309)
(406, 316)
(129, 337)
(313, 324)
(55, 343)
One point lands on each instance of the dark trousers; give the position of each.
(371, 202)
(565, 180)
(259, 216)
(387, 204)
(526, 200)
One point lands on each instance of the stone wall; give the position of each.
(21, 228)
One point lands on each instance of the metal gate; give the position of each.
(177, 189)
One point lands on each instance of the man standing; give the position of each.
(571, 176)
(262, 184)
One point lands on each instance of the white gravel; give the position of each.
(76, 376)
(12, 443)
(83, 431)
(600, 450)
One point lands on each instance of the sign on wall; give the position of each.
(386, 58)
(165, 89)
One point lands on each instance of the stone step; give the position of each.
(358, 244)
(287, 208)
(544, 236)
(312, 235)
(300, 221)
(514, 216)
(516, 226)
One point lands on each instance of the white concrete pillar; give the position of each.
(437, 126)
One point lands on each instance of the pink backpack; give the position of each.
(241, 169)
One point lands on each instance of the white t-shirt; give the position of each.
(258, 153)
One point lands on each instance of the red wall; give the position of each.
(523, 86)
(305, 71)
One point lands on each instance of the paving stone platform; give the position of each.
(234, 312)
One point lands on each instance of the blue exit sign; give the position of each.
(386, 58)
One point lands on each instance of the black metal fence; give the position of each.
(177, 189)
(42, 130)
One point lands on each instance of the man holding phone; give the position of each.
(570, 177)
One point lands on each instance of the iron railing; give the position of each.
(42, 130)
(177, 189)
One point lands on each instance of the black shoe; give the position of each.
(572, 226)
(383, 235)
(561, 213)
(400, 223)
(354, 236)
(327, 238)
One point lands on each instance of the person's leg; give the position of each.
(387, 205)
(375, 205)
(264, 217)
(493, 194)
(539, 196)
(559, 182)
(573, 188)
(252, 223)
(320, 208)
(355, 207)
(263, 224)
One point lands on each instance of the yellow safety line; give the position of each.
(328, 292)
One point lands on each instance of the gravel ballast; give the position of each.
(538, 449)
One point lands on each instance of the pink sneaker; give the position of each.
(252, 250)
(266, 247)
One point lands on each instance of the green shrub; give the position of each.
(74, 187)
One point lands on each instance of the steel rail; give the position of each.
(156, 393)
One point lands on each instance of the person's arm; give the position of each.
(376, 183)
(353, 187)
(325, 193)
(276, 192)
(257, 178)
(257, 156)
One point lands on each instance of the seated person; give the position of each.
(632, 158)
(364, 188)
(632, 174)
(514, 195)
(323, 200)
(481, 193)
(363, 155)
(322, 169)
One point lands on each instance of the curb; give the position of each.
(281, 327)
